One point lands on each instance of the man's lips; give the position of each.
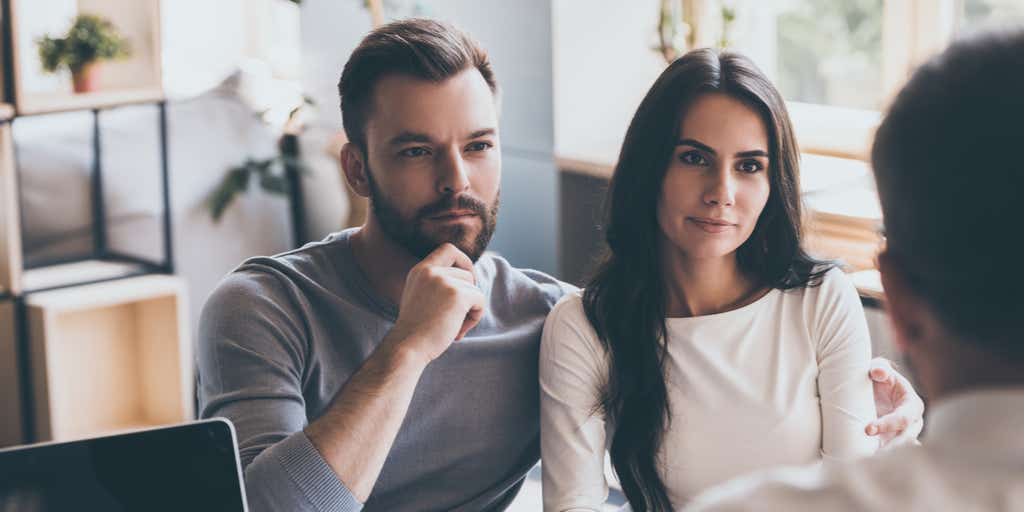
(453, 214)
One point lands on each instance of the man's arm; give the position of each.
(439, 305)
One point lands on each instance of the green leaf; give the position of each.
(90, 38)
(274, 184)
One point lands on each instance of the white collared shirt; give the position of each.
(970, 460)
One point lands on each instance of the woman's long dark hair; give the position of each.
(626, 299)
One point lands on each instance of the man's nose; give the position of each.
(453, 177)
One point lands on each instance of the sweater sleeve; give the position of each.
(844, 352)
(571, 370)
(251, 355)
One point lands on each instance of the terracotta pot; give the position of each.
(86, 78)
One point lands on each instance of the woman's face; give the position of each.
(718, 178)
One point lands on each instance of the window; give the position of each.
(838, 62)
(982, 14)
(830, 52)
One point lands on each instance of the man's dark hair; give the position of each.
(419, 48)
(948, 165)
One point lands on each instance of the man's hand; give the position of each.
(440, 303)
(898, 407)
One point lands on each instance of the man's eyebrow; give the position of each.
(708, 149)
(406, 137)
(481, 133)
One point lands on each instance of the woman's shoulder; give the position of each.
(569, 313)
(568, 324)
(830, 287)
(833, 286)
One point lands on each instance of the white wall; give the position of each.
(603, 65)
(205, 40)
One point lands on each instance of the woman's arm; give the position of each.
(571, 370)
(844, 353)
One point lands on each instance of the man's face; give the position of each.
(433, 162)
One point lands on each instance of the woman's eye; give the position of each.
(479, 146)
(414, 152)
(750, 166)
(692, 158)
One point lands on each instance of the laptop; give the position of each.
(192, 466)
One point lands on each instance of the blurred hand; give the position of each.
(899, 409)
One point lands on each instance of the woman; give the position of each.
(708, 344)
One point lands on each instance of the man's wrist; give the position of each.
(400, 355)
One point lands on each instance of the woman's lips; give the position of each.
(711, 225)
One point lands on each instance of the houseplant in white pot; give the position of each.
(90, 40)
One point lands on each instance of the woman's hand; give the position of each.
(899, 409)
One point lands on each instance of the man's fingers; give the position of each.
(448, 255)
(475, 313)
(893, 423)
(881, 369)
(910, 435)
(472, 319)
(459, 274)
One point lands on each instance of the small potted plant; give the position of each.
(90, 40)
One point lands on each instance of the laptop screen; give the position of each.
(187, 467)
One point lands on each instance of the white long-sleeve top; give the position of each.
(783, 380)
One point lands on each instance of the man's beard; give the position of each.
(410, 233)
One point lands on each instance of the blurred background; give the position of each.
(211, 132)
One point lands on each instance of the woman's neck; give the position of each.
(705, 286)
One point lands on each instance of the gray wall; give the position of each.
(518, 37)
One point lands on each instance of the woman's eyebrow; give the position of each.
(697, 144)
(705, 147)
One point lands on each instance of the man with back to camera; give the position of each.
(336, 361)
(947, 161)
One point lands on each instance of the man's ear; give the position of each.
(909, 314)
(355, 169)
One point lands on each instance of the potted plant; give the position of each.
(90, 40)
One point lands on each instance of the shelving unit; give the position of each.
(109, 356)
(10, 220)
(96, 342)
(136, 79)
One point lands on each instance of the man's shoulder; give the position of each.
(520, 283)
(861, 484)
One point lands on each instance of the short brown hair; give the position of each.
(420, 48)
(947, 161)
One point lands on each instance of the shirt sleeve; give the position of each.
(844, 352)
(251, 355)
(571, 370)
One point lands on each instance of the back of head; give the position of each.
(420, 48)
(948, 165)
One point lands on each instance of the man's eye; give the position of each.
(692, 158)
(750, 166)
(415, 152)
(479, 146)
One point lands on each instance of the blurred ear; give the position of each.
(910, 315)
(355, 169)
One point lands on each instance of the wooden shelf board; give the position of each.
(50, 103)
(78, 272)
(108, 293)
